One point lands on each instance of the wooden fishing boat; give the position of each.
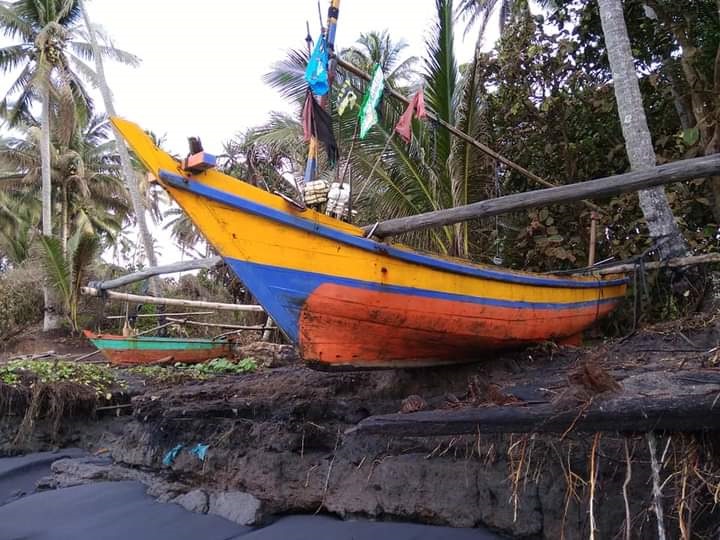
(149, 350)
(347, 300)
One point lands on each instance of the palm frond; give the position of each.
(56, 267)
(288, 75)
(13, 25)
(84, 50)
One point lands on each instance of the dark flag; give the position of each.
(317, 123)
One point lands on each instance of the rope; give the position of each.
(377, 162)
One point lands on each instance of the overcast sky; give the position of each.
(203, 62)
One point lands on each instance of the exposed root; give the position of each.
(54, 402)
(626, 483)
(656, 489)
(594, 468)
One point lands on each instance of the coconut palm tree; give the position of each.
(638, 141)
(85, 179)
(480, 11)
(374, 48)
(128, 171)
(49, 54)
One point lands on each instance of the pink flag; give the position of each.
(416, 108)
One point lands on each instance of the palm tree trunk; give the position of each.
(125, 163)
(638, 142)
(51, 320)
(65, 219)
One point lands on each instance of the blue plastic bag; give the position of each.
(316, 73)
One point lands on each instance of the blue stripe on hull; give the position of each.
(283, 291)
(286, 218)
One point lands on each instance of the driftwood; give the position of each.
(677, 171)
(684, 413)
(156, 271)
(139, 299)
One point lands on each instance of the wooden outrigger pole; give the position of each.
(159, 301)
(668, 173)
(464, 136)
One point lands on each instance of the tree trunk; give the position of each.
(65, 219)
(51, 320)
(126, 164)
(638, 141)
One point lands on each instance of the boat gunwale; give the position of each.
(197, 187)
(153, 339)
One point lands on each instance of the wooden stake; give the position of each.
(138, 299)
(594, 216)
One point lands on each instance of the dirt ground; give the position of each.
(285, 436)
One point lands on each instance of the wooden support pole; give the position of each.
(138, 299)
(678, 262)
(464, 136)
(594, 217)
(682, 413)
(599, 188)
(156, 271)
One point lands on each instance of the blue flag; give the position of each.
(316, 73)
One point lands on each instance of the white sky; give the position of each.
(203, 62)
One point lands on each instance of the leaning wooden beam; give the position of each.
(683, 413)
(599, 188)
(678, 262)
(138, 299)
(464, 136)
(156, 271)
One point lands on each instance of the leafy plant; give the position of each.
(100, 378)
(220, 366)
(66, 272)
(180, 372)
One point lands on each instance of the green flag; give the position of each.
(368, 109)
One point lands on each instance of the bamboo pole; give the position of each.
(159, 301)
(153, 315)
(599, 188)
(464, 136)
